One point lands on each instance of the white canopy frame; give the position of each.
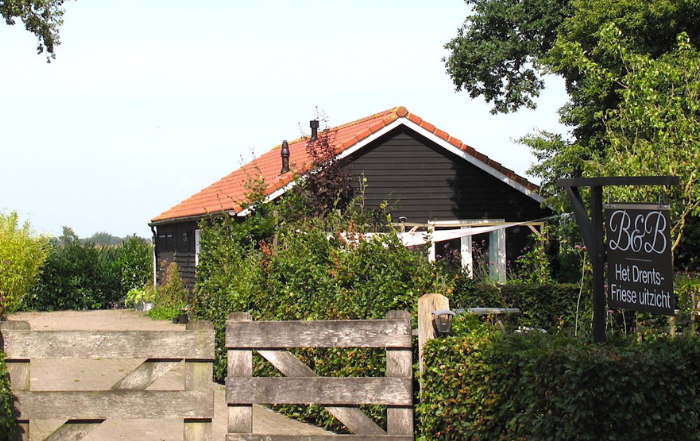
(441, 231)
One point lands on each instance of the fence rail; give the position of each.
(301, 385)
(127, 399)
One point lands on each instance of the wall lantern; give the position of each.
(442, 321)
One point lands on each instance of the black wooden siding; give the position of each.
(175, 242)
(424, 182)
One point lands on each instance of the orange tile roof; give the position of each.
(227, 194)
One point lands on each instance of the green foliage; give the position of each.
(687, 257)
(134, 262)
(655, 130)
(22, 255)
(103, 238)
(313, 269)
(631, 73)
(533, 266)
(484, 385)
(551, 307)
(496, 52)
(80, 275)
(170, 297)
(7, 420)
(40, 17)
(74, 277)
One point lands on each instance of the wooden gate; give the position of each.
(127, 399)
(301, 385)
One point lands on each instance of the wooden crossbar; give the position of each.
(127, 399)
(302, 385)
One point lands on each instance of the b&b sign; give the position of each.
(640, 266)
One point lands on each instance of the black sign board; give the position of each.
(640, 266)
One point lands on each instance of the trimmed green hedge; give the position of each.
(543, 306)
(79, 275)
(486, 386)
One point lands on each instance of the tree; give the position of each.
(22, 254)
(498, 52)
(655, 130)
(40, 17)
(506, 46)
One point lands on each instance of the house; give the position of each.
(429, 176)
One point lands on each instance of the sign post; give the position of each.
(592, 232)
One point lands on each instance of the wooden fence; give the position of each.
(301, 385)
(127, 399)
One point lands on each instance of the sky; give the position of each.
(148, 102)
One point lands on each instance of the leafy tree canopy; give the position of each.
(630, 69)
(40, 17)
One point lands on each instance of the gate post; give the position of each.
(427, 304)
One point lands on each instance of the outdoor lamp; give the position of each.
(442, 321)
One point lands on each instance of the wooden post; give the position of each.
(240, 364)
(497, 255)
(427, 304)
(467, 252)
(399, 363)
(198, 376)
(20, 374)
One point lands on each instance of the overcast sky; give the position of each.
(148, 102)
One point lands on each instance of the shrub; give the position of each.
(7, 420)
(170, 298)
(22, 255)
(80, 275)
(313, 273)
(134, 261)
(545, 306)
(488, 386)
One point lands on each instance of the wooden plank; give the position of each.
(19, 371)
(240, 364)
(353, 418)
(261, 437)
(399, 363)
(327, 391)
(144, 375)
(315, 334)
(93, 405)
(198, 376)
(198, 430)
(172, 345)
(74, 430)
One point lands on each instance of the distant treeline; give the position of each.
(100, 238)
(103, 238)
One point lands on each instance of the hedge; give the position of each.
(7, 420)
(489, 386)
(543, 306)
